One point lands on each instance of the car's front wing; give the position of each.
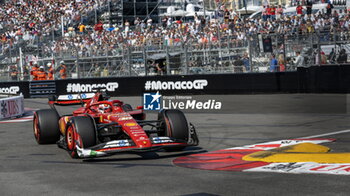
(120, 146)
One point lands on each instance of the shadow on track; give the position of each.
(149, 155)
(116, 162)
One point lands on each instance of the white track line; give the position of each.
(326, 134)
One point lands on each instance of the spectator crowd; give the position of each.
(103, 39)
(30, 20)
(27, 20)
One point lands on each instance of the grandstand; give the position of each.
(51, 31)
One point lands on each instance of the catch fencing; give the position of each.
(163, 56)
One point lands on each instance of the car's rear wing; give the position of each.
(71, 99)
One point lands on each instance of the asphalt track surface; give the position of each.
(27, 168)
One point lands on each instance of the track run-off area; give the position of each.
(270, 123)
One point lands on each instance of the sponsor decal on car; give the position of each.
(85, 153)
(121, 116)
(130, 124)
(160, 140)
(75, 96)
(117, 143)
(125, 118)
(93, 153)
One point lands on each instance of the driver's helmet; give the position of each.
(103, 108)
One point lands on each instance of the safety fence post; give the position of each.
(144, 59)
(186, 59)
(168, 72)
(129, 60)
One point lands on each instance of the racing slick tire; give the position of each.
(173, 123)
(81, 128)
(45, 126)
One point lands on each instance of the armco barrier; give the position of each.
(11, 107)
(318, 79)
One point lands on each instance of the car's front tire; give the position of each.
(173, 123)
(83, 130)
(45, 126)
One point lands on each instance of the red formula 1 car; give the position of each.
(104, 127)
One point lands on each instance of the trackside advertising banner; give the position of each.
(11, 107)
(180, 85)
(134, 85)
(15, 88)
(331, 79)
(324, 79)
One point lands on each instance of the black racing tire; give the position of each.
(45, 126)
(173, 123)
(127, 107)
(85, 127)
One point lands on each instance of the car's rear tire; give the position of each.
(45, 126)
(173, 123)
(80, 128)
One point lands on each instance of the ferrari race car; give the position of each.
(103, 127)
